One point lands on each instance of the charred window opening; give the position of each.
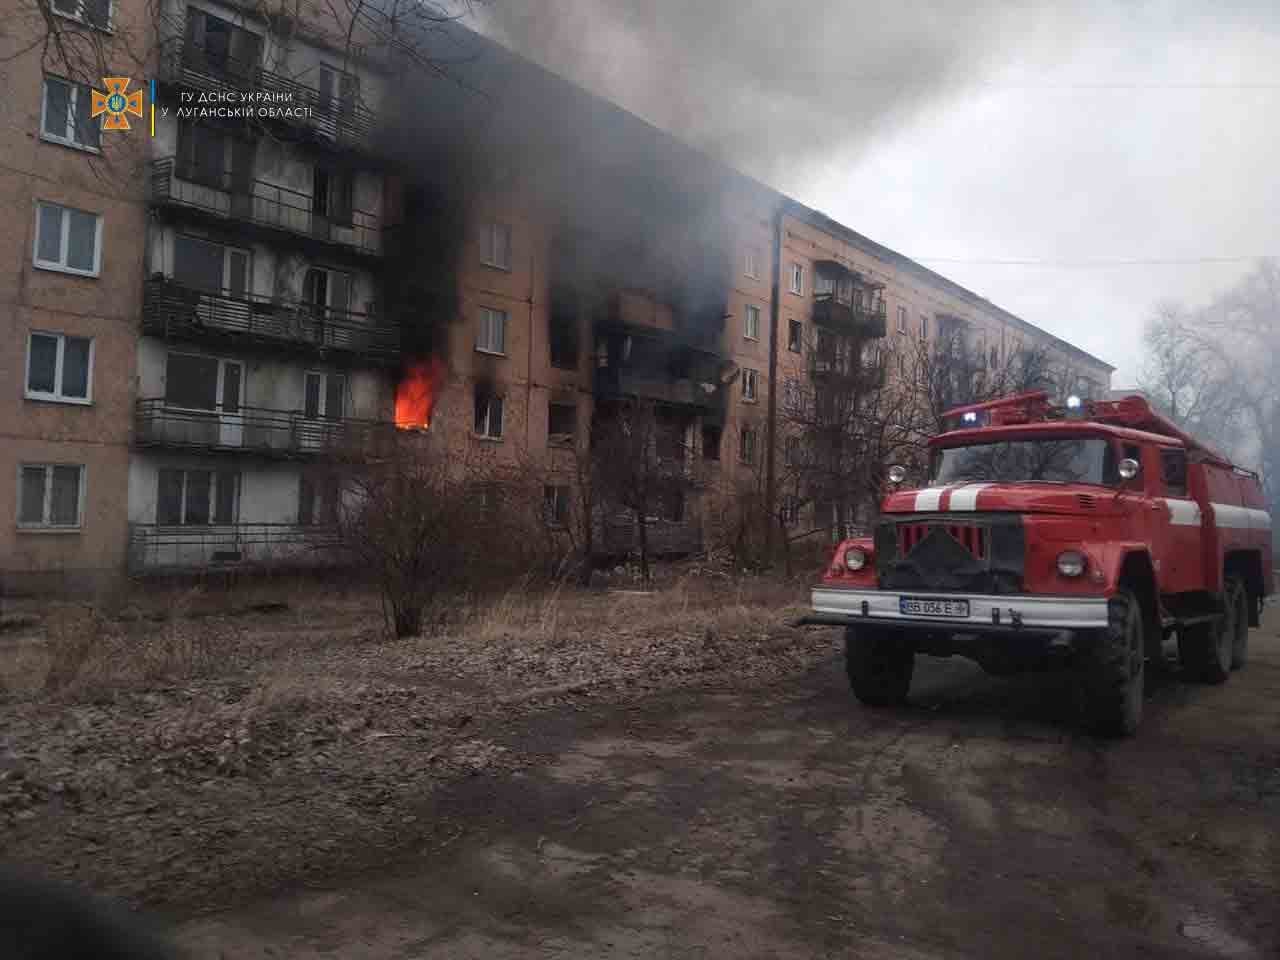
(711, 435)
(333, 196)
(555, 504)
(562, 422)
(795, 334)
(216, 45)
(318, 499)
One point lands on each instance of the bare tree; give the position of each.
(641, 462)
(1190, 378)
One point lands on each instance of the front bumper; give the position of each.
(1005, 613)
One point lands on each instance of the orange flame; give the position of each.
(416, 394)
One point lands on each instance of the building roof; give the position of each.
(902, 262)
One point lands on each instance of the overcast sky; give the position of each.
(1061, 133)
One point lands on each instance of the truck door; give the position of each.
(1181, 556)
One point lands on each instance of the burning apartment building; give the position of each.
(448, 240)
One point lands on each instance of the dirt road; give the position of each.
(975, 823)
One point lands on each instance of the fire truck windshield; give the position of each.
(1059, 460)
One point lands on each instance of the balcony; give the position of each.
(643, 386)
(651, 363)
(329, 119)
(157, 548)
(862, 317)
(260, 432)
(220, 196)
(176, 311)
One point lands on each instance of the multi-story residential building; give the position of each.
(200, 339)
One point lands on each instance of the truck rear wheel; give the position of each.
(1115, 670)
(1207, 649)
(879, 666)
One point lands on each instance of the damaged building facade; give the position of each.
(496, 256)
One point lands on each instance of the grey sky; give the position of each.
(1063, 132)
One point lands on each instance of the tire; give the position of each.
(1114, 678)
(879, 666)
(1238, 602)
(1207, 649)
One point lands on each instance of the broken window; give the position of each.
(217, 45)
(332, 195)
(747, 445)
(562, 422)
(96, 13)
(330, 289)
(750, 379)
(795, 334)
(488, 421)
(338, 90)
(555, 499)
(710, 442)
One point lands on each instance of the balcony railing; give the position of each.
(860, 317)
(337, 119)
(175, 310)
(229, 195)
(260, 431)
(161, 548)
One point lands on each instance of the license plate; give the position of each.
(933, 607)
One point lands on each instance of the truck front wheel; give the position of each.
(1115, 670)
(879, 666)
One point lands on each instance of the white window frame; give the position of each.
(489, 245)
(902, 319)
(924, 326)
(78, 16)
(750, 330)
(47, 499)
(70, 139)
(484, 333)
(65, 241)
(56, 396)
(750, 385)
(797, 278)
(751, 263)
(487, 432)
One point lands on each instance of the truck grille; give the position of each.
(973, 538)
(933, 553)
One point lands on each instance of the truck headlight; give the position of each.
(1071, 563)
(855, 559)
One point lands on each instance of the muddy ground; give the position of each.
(786, 821)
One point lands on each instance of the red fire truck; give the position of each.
(1082, 536)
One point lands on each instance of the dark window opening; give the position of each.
(794, 335)
(710, 443)
(562, 421)
(555, 500)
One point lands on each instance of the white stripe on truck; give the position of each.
(966, 498)
(1240, 518)
(929, 498)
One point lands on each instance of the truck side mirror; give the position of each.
(1128, 468)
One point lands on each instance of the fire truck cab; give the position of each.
(1080, 536)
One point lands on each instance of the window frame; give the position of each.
(750, 376)
(747, 451)
(560, 438)
(46, 504)
(64, 241)
(556, 505)
(488, 247)
(75, 90)
(796, 278)
(57, 396)
(487, 433)
(485, 312)
(751, 263)
(924, 326)
(750, 310)
(902, 319)
(795, 344)
(79, 17)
